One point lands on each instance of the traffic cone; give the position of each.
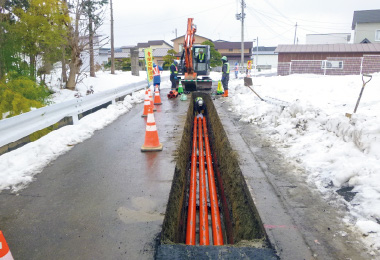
(151, 99)
(152, 143)
(5, 253)
(180, 89)
(157, 98)
(219, 90)
(146, 104)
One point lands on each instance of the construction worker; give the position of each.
(225, 75)
(201, 56)
(173, 74)
(200, 59)
(157, 75)
(199, 107)
(236, 70)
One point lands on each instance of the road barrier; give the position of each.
(17, 127)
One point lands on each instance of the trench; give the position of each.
(242, 232)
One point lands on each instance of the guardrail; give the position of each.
(17, 127)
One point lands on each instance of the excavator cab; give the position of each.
(201, 68)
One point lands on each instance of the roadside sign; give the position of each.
(148, 54)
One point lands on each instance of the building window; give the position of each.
(332, 64)
(230, 50)
(377, 36)
(180, 47)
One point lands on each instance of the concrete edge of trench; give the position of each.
(280, 227)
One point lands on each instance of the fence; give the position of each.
(350, 66)
(17, 127)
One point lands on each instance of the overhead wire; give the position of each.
(174, 18)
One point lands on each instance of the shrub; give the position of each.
(19, 94)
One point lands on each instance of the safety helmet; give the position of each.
(200, 102)
(175, 61)
(224, 58)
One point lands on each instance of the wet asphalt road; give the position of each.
(104, 199)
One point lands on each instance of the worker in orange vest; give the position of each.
(157, 75)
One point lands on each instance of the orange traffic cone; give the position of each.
(146, 104)
(157, 98)
(151, 99)
(152, 143)
(5, 253)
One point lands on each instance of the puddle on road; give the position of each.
(142, 210)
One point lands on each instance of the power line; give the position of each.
(174, 18)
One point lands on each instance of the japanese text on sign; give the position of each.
(149, 63)
(249, 64)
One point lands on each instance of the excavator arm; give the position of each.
(188, 44)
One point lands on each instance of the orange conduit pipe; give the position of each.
(215, 215)
(203, 212)
(192, 207)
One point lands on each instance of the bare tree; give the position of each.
(86, 19)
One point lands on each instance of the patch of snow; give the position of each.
(312, 130)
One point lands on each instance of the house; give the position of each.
(328, 38)
(232, 50)
(265, 56)
(103, 55)
(154, 45)
(158, 55)
(328, 59)
(367, 26)
(179, 41)
(125, 52)
(85, 54)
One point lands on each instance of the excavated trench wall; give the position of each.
(241, 220)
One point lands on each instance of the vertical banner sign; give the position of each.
(249, 64)
(149, 63)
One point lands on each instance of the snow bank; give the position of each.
(313, 131)
(104, 80)
(17, 168)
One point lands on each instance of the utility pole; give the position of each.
(176, 33)
(238, 17)
(295, 35)
(242, 34)
(257, 51)
(112, 41)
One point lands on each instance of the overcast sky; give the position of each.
(272, 21)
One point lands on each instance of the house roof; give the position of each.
(195, 35)
(264, 49)
(366, 16)
(320, 48)
(160, 52)
(232, 45)
(150, 43)
(121, 55)
(127, 47)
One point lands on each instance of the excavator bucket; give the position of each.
(197, 84)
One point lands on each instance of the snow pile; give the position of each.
(309, 126)
(103, 81)
(18, 167)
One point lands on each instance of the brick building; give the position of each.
(328, 59)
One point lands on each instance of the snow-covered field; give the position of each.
(313, 132)
(309, 127)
